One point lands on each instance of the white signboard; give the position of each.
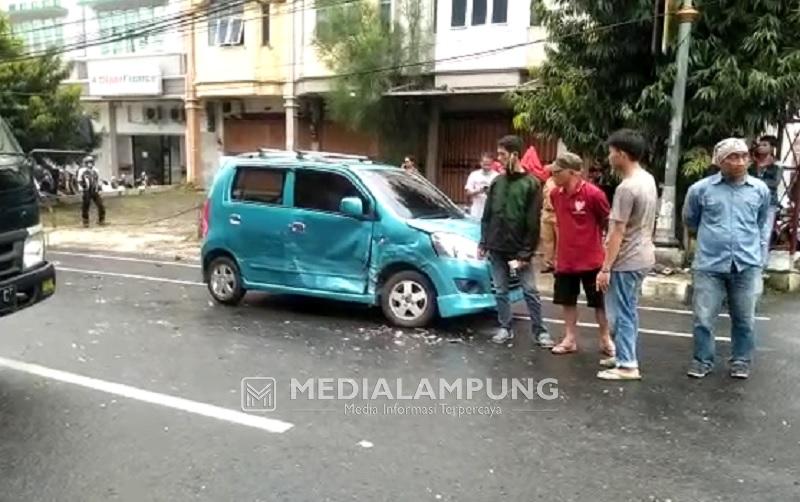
(124, 78)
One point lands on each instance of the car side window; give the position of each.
(323, 191)
(258, 184)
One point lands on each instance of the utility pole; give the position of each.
(665, 229)
(290, 98)
(193, 157)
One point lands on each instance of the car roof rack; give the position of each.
(265, 152)
(304, 155)
(317, 155)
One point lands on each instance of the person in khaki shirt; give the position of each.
(548, 234)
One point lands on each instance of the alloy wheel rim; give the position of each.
(223, 282)
(408, 300)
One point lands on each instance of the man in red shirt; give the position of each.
(582, 211)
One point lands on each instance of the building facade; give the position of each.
(483, 49)
(268, 84)
(255, 73)
(259, 73)
(128, 57)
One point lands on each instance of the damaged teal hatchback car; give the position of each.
(343, 228)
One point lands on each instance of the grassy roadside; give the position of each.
(160, 224)
(133, 210)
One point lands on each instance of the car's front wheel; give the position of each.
(225, 281)
(408, 300)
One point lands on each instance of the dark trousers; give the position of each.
(88, 197)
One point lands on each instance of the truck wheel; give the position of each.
(225, 281)
(408, 300)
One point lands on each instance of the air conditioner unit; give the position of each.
(153, 113)
(177, 114)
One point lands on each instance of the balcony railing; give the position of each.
(42, 9)
(99, 5)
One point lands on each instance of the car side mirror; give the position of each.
(352, 206)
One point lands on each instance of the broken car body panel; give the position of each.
(297, 236)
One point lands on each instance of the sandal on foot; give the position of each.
(609, 362)
(563, 348)
(618, 374)
(608, 350)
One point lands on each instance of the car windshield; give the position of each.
(14, 171)
(410, 195)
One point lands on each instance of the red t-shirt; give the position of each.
(581, 219)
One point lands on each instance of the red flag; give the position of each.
(531, 162)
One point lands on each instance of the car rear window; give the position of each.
(258, 184)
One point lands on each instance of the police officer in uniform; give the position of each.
(89, 181)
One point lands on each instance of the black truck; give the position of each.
(26, 277)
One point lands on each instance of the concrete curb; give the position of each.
(675, 288)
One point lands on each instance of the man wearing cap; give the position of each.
(581, 215)
(728, 212)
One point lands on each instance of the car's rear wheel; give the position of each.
(225, 281)
(408, 300)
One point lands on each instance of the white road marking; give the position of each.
(194, 283)
(124, 258)
(178, 403)
(197, 266)
(129, 276)
(660, 332)
(665, 310)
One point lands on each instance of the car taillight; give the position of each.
(204, 219)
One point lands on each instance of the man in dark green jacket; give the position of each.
(510, 236)
(766, 169)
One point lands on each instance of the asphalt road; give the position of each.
(127, 385)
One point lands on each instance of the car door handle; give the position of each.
(235, 219)
(297, 227)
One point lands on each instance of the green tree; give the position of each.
(601, 74)
(39, 109)
(369, 56)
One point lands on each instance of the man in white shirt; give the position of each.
(478, 185)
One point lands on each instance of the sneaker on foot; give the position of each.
(740, 369)
(698, 369)
(503, 335)
(543, 340)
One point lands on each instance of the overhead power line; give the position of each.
(83, 20)
(388, 68)
(151, 27)
(180, 21)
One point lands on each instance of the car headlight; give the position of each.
(33, 253)
(455, 246)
